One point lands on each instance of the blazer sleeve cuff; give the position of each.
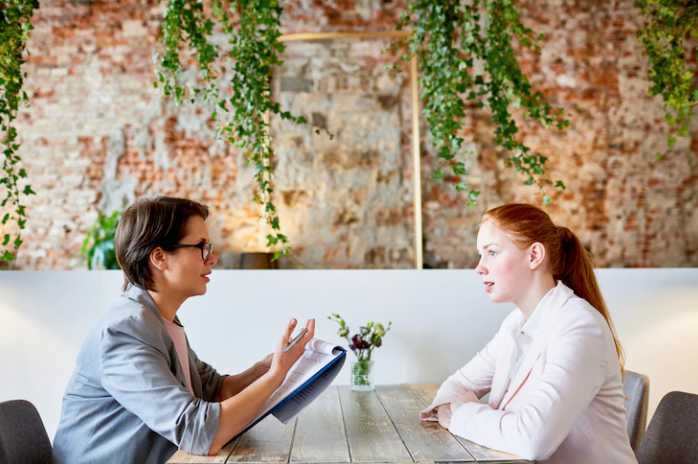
(469, 418)
(200, 443)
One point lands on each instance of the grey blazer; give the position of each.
(127, 401)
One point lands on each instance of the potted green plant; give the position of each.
(98, 247)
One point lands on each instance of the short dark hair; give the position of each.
(146, 224)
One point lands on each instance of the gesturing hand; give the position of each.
(282, 362)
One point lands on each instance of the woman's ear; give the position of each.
(158, 258)
(536, 256)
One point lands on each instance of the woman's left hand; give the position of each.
(468, 397)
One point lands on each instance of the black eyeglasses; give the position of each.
(205, 248)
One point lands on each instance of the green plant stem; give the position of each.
(361, 371)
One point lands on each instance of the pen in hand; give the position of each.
(295, 340)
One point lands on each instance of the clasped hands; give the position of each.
(446, 411)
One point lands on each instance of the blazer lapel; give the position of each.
(143, 297)
(501, 378)
(558, 299)
(500, 382)
(532, 355)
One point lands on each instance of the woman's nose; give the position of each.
(212, 259)
(480, 269)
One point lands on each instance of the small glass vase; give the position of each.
(362, 376)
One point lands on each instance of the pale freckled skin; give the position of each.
(519, 275)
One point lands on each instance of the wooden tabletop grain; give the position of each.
(344, 426)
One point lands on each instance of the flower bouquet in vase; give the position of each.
(362, 344)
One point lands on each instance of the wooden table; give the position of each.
(345, 426)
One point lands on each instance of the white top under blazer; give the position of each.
(565, 401)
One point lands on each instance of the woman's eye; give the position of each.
(492, 253)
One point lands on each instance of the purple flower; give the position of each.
(359, 343)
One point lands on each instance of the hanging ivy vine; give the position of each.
(254, 39)
(448, 37)
(15, 24)
(668, 25)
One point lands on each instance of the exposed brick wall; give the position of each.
(626, 209)
(98, 134)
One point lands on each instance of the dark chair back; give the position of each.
(636, 388)
(672, 437)
(23, 438)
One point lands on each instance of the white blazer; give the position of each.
(565, 403)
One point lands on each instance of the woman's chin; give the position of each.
(203, 285)
(198, 290)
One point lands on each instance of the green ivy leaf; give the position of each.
(271, 240)
(438, 174)
(671, 141)
(459, 169)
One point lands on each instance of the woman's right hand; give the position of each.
(282, 362)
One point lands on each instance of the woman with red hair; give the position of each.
(554, 369)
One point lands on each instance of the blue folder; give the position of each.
(306, 393)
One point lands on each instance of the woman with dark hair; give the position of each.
(554, 369)
(139, 392)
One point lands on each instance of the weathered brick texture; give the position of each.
(97, 134)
